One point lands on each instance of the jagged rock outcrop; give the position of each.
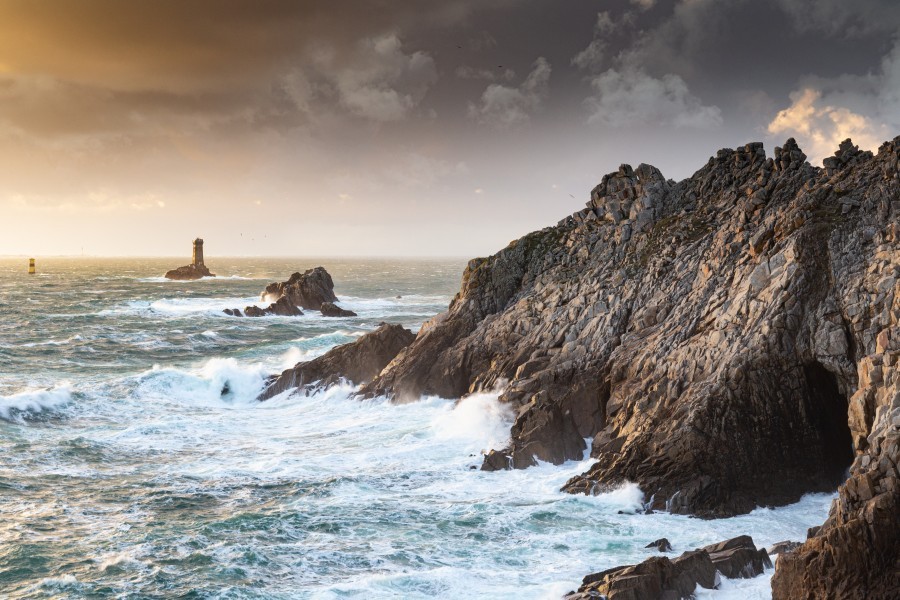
(307, 290)
(283, 307)
(330, 309)
(727, 341)
(312, 290)
(661, 578)
(189, 273)
(357, 362)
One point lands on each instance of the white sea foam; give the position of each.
(179, 307)
(32, 402)
(119, 560)
(478, 418)
(162, 279)
(325, 495)
(217, 380)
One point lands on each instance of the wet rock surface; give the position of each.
(661, 578)
(357, 362)
(727, 341)
(662, 545)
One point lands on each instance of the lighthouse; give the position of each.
(197, 256)
(196, 270)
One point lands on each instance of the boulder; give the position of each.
(330, 309)
(738, 558)
(657, 578)
(283, 307)
(357, 362)
(189, 272)
(662, 544)
(308, 290)
(496, 460)
(660, 578)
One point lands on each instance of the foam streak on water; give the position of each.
(127, 473)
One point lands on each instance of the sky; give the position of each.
(400, 127)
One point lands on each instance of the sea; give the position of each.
(136, 462)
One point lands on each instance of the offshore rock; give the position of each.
(330, 309)
(189, 272)
(662, 545)
(496, 460)
(660, 578)
(357, 362)
(281, 308)
(727, 341)
(307, 290)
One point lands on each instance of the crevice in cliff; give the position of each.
(828, 409)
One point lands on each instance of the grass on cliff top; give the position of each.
(690, 227)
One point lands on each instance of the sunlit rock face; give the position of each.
(727, 341)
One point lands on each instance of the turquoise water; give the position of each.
(125, 473)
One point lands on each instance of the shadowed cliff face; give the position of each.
(727, 341)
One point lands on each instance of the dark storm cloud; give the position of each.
(383, 113)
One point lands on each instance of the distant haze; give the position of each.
(402, 127)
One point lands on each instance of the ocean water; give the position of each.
(126, 473)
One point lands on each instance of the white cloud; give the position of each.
(466, 72)
(505, 106)
(820, 127)
(632, 97)
(591, 58)
(383, 83)
(644, 4)
(419, 171)
(825, 112)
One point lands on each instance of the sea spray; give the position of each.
(480, 418)
(27, 404)
(155, 484)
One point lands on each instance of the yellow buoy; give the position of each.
(31, 266)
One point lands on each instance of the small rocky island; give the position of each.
(310, 290)
(727, 341)
(196, 270)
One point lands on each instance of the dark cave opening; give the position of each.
(828, 410)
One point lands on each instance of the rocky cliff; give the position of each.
(726, 341)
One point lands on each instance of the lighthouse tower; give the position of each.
(197, 257)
